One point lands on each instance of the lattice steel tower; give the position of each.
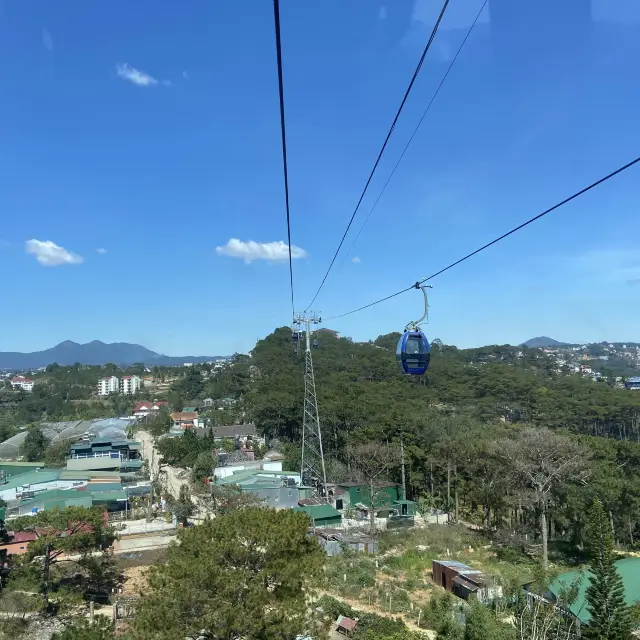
(312, 469)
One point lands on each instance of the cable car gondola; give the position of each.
(413, 351)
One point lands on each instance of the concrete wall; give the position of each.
(93, 464)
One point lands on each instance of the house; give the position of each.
(241, 434)
(130, 385)
(17, 543)
(105, 454)
(110, 384)
(143, 409)
(386, 494)
(207, 403)
(276, 489)
(345, 625)
(148, 381)
(633, 383)
(322, 515)
(20, 382)
(463, 581)
(185, 420)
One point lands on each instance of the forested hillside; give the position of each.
(475, 429)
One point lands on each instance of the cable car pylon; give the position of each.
(312, 470)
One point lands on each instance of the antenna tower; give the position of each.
(312, 469)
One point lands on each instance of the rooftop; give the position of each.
(319, 511)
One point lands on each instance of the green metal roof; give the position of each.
(629, 570)
(16, 468)
(100, 497)
(104, 486)
(404, 502)
(82, 501)
(319, 511)
(32, 477)
(52, 494)
(133, 464)
(190, 410)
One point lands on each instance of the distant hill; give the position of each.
(95, 352)
(543, 341)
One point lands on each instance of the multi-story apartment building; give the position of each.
(130, 384)
(108, 385)
(20, 382)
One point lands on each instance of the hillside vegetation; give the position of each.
(473, 431)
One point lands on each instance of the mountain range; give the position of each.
(96, 352)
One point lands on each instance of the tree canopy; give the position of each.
(244, 575)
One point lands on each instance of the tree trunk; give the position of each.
(448, 491)
(372, 511)
(487, 516)
(455, 490)
(613, 529)
(630, 530)
(431, 477)
(45, 575)
(545, 538)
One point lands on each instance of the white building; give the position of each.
(130, 384)
(20, 382)
(108, 385)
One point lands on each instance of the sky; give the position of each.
(141, 189)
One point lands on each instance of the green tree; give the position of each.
(159, 423)
(222, 499)
(34, 446)
(184, 507)
(482, 624)
(203, 466)
(81, 629)
(56, 453)
(71, 531)
(246, 575)
(610, 616)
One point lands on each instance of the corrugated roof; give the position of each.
(104, 486)
(52, 494)
(319, 511)
(33, 477)
(81, 501)
(108, 496)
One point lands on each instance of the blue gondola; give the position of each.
(413, 351)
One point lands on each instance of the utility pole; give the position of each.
(149, 511)
(312, 470)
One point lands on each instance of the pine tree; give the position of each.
(610, 616)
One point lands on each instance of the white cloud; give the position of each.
(356, 260)
(167, 83)
(382, 13)
(137, 77)
(250, 251)
(47, 40)
(49, 254)
(101, 250)
(185, 75)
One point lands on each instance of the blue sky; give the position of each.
(137, 138)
